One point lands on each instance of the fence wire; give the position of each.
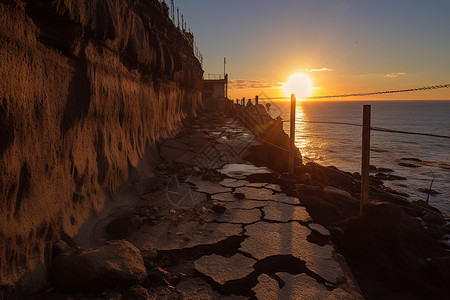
(430, 87)
(376, 128)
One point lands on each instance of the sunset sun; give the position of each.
(300, 85)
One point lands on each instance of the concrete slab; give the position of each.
(232, 182)
(223, 269)
(239, 171)
(269, 239)
(198, 289)
(320, 229)
(256, 184)
(244, 204)
(208, 187)
(286, 199)
(236, 216)
(282, 212)
(181, 235)
(296, 287)
(225, 197)
(253, 193)
(273, 187)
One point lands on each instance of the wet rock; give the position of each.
(307, 189)
(400, 185)
(433, 218)
(394, 191)
(382, 217)
(223, 269)
(136, 292)
(385, 170)
(411, 159)
(117, 263)
(335, 191)
(375, 180)
(381, 176)
(372, 168)
(298, 286)
(395, 177)
(428, 191)
(407, 165)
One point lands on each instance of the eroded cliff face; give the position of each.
(85, 88)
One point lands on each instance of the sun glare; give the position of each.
(300, 85)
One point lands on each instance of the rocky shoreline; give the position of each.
(164, 245)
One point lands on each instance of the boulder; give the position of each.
(136, 292)
(116, 263)
(382, 216)
(434, 218)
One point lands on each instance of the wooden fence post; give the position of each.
(256, 100)
(292, 136)
(365, 158)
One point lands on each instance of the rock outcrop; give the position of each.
(117, 263)
(85, 89)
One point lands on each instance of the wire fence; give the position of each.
(424, 88)
(178, 21)
(342, 173)
(375, 128)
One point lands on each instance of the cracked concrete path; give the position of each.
(232, 238)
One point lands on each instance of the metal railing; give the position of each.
(209, 76)
(179, 22)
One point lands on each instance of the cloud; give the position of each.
(319, 70)
(394, 75)
(253, 84)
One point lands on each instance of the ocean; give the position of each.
(334, 144)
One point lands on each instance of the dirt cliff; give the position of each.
(86, 88)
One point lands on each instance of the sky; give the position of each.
(343, 46)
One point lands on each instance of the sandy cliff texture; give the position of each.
(85, 88)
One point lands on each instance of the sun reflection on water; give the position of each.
(304, 139)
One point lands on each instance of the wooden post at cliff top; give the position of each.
(292, 135)
(256, 100)
(365, 158)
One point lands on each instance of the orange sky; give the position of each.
(344, 46)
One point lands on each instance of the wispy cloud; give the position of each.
(319, 70)
(394, 75)
(253, 84)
